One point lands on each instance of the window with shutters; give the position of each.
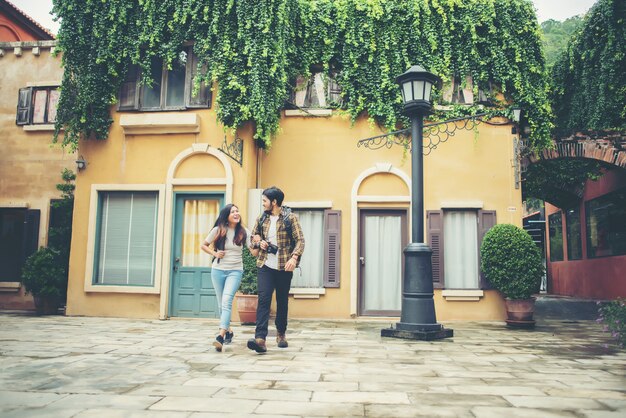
(319, 266)
(37, 105)
(172, 88)
(310, 273)
(126, 234)
(455, 237)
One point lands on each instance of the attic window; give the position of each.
(459, 91)
(317, 91)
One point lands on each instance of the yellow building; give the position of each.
(30, 167)
(150, 193)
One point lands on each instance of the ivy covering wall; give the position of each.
(589, 91)
(252, 50)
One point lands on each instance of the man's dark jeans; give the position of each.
(268, 281)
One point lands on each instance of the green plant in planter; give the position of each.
(249, 280)
(511, 261)
(44, 274)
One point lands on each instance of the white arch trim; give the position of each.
(170, 182)
(355, 198)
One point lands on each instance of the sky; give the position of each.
(39, 10)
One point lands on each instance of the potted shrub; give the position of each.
(247, 297)
(45, 277)
(512, 264)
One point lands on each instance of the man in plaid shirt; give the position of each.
(278, 234)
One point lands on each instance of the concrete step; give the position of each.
(565, 308)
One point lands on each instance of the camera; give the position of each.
(271, 248)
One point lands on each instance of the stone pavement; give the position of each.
(101, 367)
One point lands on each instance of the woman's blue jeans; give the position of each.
(226, 284)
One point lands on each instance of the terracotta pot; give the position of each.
(246, 306)
(520, 312)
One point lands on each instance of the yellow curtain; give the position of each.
(199, 217)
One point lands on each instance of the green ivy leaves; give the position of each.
(253, 50)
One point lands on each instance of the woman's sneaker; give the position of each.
(218, 343)
(228, 338)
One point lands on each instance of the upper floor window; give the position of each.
(317, 91)
(461, 91)
(172, 88)
(37, 105)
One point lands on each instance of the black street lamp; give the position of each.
(418, 320)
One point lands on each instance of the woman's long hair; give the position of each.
(222, 228)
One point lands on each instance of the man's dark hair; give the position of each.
(274, 193)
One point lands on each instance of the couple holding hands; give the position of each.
(277, 242)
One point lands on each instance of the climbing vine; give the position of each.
(589, 90)
(253, 50)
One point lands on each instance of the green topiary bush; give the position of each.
(45, 274)
(511, 261)
(249, 280)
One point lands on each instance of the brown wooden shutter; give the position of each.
(24, 106)
(434, 220)
(332, 247)
(31, 232)
(486, 220)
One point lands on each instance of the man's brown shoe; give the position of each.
(257, 344)
(282, 341)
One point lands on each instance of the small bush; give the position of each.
(511, 261)
(45, 274)
(613, 317)
(249, 280)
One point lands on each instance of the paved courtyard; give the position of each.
(100, 367)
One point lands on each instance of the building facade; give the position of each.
(151, 192)
(30, 167)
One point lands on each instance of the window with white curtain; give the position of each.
(126, 240)
(311, 271)
(460, 229)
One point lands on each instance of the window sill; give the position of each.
(309, 112)
(160, 123)
(121, 289)
(307, 292)
(10, 287)
(459, 295)
(42, 127)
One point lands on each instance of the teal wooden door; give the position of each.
(192, 292)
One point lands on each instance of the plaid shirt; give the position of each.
(285, 250)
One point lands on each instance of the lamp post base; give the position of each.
(423, 335)
(418, 320)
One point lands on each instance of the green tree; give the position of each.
(556, 36)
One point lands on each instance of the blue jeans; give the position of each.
(226, 283)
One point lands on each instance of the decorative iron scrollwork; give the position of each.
(433, 134)
(234, 150)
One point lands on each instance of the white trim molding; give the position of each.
(160, 123)
(321, 204)
(170, 182)
(462, 204)
(355, 199)
(308, 112)
(462, 295)
(10, 287)
(307, 292)
(91, 238)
